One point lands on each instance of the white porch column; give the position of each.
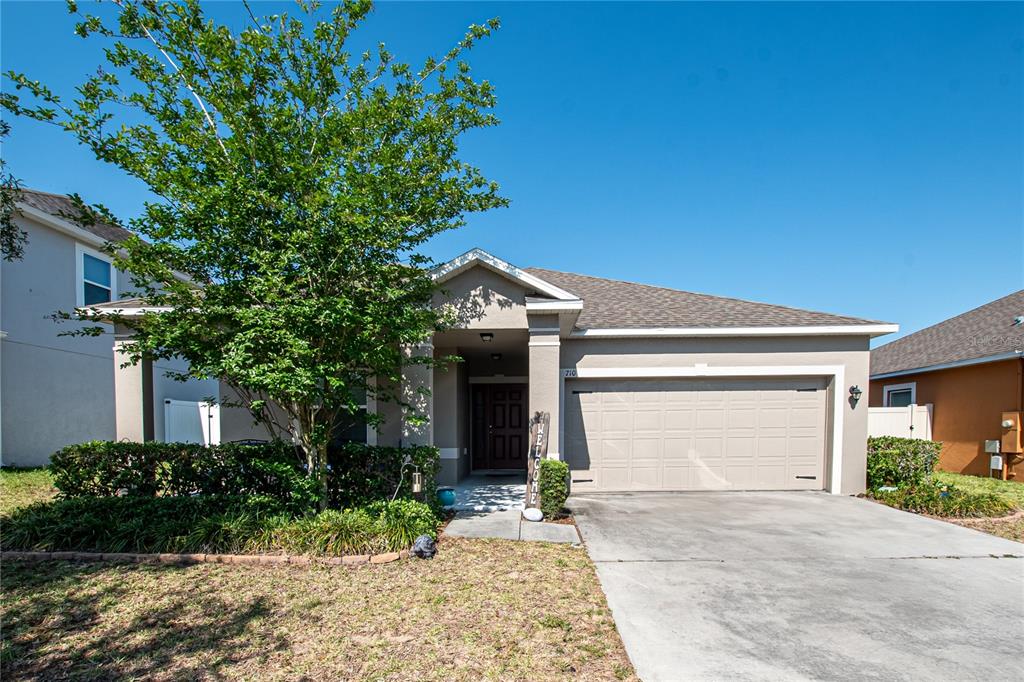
(133, 392)
(417, 391)
(545, 374)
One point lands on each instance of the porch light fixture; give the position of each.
(486, 337)
(495, 356)
(855, 392)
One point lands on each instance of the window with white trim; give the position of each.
(96, 277)
(899, 395)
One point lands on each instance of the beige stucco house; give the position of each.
(57, 390)
(647, 388)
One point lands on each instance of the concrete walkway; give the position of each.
(803, 586)
(482, 492)
(509, 525)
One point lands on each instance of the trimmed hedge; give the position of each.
(900, 462)
(361, 474)
(357, 474)
(212, 524)
(110, 469)
(553, 484)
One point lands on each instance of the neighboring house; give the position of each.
(969, 368)
(647, 388)
(56, 390)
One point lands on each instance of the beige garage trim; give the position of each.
(696, 434)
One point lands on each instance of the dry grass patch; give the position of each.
(483, 609)
(1009, 527)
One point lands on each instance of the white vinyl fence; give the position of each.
(912, 421)
(186, 421)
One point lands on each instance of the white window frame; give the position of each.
(81, 250)
(896, 388)
(370, 405)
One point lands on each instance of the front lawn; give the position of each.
(482, 609)
(1009, 527)
(1011, 491)
(21, 487)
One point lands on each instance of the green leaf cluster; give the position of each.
(213, 524)
(117, 468)
(553, 484)
(894, 461)
(294, 185)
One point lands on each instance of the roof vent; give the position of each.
(1018, 321)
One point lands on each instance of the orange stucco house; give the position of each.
(970, 368)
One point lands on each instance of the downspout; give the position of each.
(1020, 384)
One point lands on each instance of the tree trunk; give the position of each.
(316, 457)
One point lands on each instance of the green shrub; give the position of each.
(404, 520)
(901, 462)
(109, 469)
(212, 524)
(121, 524)
(362, 474)
(357, 474)
(381, 527)
(944, 500)
(330, 533)
(553, 484)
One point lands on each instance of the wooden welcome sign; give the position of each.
(538, 450)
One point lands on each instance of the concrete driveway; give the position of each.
(803, 586)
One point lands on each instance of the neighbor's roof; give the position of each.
(985, 332)
(61, 206)
(612, 304)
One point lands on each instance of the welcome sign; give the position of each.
(539, 425)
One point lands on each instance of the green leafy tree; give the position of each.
(296, 184)
(12, 237)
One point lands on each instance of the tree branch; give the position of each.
(177, 70)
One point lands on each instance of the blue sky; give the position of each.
(866, 159)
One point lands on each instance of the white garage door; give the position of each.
(686, 434)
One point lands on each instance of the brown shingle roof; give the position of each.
(979, 333)
(611, 304)
(61, 206)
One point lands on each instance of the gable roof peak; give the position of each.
(477, 256)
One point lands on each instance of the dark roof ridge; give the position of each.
(700, 293)
(954, 318)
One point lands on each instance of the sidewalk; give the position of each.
(482, 492)
(509, 525)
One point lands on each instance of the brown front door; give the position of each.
(500, 426)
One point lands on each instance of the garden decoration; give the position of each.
(446, 496)
(538, 451)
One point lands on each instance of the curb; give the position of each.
(237, 559)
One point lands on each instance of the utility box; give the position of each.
(1011, 440)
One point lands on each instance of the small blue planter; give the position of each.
(446, 496)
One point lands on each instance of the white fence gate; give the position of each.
(912, 421)
(186, 421)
